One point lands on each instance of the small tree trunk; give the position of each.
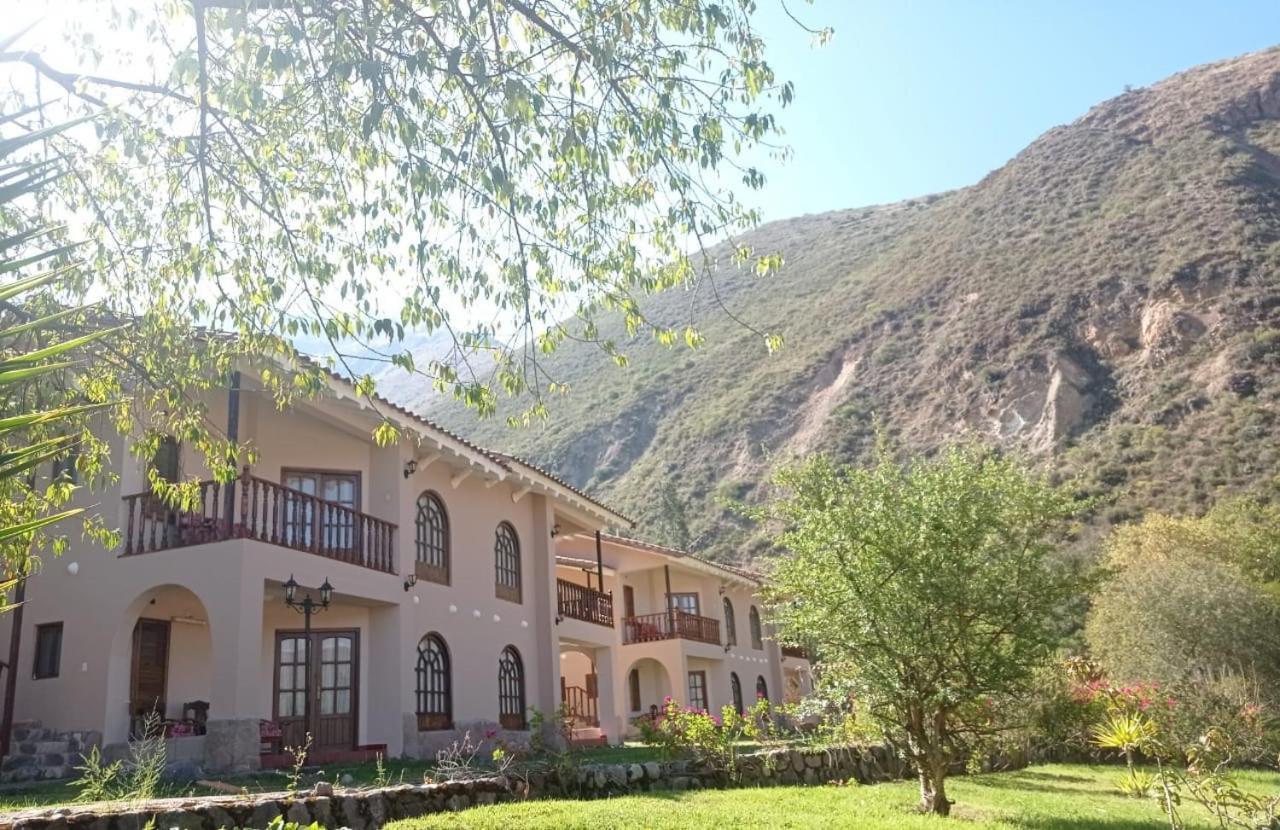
(936, 801)
(926, 787)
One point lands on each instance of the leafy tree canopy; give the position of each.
(932, 583)
(1185, 602)
(353, 170)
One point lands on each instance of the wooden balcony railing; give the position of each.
(578, 602)
(795, 651)
(670, 625)
(580, 705)
(255, 508)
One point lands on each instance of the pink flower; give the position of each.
(490, 733)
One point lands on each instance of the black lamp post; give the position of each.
(306, 607)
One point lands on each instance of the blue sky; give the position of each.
(912, 98)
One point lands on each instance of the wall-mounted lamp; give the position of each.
(410, 581)
(410, 467)
(555, 530)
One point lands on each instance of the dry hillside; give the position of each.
(1108, 301)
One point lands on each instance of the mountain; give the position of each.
(1108, 302)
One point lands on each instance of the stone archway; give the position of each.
(161, 649)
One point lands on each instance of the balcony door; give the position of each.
(336, 527)
(687, 603)
(324, 701)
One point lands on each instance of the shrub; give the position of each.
(1176, 609)
(715, 740)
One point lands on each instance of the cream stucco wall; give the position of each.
(231, 591)
(229, 597)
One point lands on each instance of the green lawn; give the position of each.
(1057, 797)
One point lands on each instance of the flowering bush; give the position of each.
(694, 733)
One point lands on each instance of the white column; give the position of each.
(607, 681)
(544, 693)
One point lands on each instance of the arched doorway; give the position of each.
(579, 685)
(647, 685)
(161, 660)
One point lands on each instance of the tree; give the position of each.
(931, 583)
(1184, 604)
(353, 169)
(46, 398)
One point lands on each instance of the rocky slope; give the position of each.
(1108, 301)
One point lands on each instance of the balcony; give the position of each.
(578, 602)
(798, 652)
(255, 508)
(670, 626)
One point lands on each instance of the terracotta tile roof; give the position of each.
(676, 553)
(508, 462)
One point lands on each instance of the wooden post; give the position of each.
(600, 562)
(671, 611)
(233, 435)
(11, 677)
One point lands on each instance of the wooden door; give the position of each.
(628, 601)
(336, 529)
(149, 673)
(323, 701)
(292, 685)
(335, 721)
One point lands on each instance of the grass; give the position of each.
(1056, 797)
(62, 792)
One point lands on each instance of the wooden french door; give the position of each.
(336, 529)
(149, 672)
(323, 702)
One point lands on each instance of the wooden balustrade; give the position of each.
(795, 651)
(580, 705)
(670, 625)
(255, 508)
(578, 602)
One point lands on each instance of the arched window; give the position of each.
(762, 688)
(511, 689)
(730, 627)
(506, 560)
(432, 539)
(735, 688)
(435, 693)
(757, 638)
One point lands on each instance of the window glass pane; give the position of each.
(286, 651)
(344, 674)
(326, 703)
(327, 649)
(344, 648)
(326, 675)
(343, 702)
(286, 677)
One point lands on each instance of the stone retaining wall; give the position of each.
(367, 809)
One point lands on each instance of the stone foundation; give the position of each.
(232, 745)
(40, 754)
(368, 809)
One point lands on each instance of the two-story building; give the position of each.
(447, 582)
(639, 622)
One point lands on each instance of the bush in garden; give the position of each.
(1181, 608)
(716, 740)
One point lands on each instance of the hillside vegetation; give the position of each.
(1107, 301)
